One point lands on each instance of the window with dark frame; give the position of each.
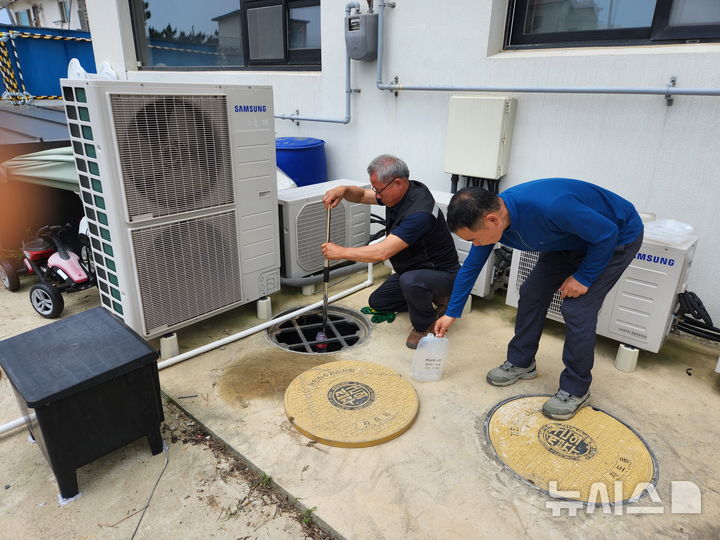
(227, 34)
(588, 23)
(282, 32)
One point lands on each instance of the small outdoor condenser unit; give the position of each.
(302, 220)
(179, 188)
(484, 285)
(639, 309)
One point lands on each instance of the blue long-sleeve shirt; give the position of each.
(557, 214)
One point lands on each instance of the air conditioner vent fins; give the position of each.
(174, 152)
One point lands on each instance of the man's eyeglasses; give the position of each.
(379, 191)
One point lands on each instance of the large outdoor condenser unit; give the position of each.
(179, 187)
(302, 219)
(639, 309)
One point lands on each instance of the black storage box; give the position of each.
(93, 384)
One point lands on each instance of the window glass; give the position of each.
(695, 12)
(265, 31)
(226, 34)
(192, 33)
(588, 23)
(23, 17)
(64, 12)
(550, 16)
(304, 28)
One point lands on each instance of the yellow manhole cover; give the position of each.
(351, 404)
(592, 457)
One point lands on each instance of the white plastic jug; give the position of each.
(427, 363)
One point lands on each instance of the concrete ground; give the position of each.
(438, 480)
(206, 490)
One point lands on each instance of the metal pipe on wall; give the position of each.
(666, 91)
(348, 90)
(348, 93)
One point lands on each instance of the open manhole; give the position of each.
(345, 328)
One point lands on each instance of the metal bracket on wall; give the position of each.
(396, 80)
(668, 97)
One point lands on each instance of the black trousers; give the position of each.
(580, 313)
(414, 291)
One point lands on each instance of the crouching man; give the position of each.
(417, 242)
(586, 235)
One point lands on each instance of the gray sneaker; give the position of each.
(563, 405)
(508, 373)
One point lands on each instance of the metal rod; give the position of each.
(326, 271)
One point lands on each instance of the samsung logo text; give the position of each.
(655, 259)
(250, 108)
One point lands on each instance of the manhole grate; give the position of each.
(345, 328)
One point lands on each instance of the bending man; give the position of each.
(417, 242)
(587, 237)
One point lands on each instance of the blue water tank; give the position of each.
(302, 159)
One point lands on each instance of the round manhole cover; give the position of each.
(591, 456)
(351, 404)
(302, 334)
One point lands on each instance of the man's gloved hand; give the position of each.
(379, 316)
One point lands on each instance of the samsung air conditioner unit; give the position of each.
(302, 220)
(639, 309)
(485, 284)
(178, 186)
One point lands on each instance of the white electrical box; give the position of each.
(484, 284)
(638, 310)
(302, 220)
(479, 135)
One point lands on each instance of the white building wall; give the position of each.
(50, 16)
(664, 159)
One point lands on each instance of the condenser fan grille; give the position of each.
(311, 233)
(187, 269)
(174, 152)
(528, 260)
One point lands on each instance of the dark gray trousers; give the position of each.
(414, 291)
(580, 313)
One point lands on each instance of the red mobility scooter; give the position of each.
(50, 256)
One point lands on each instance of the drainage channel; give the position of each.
(345, 329)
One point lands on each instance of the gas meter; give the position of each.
(361, 35)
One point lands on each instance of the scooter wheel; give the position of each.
(46, 300)
(9, 276)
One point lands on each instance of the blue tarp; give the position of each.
(45, 61)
